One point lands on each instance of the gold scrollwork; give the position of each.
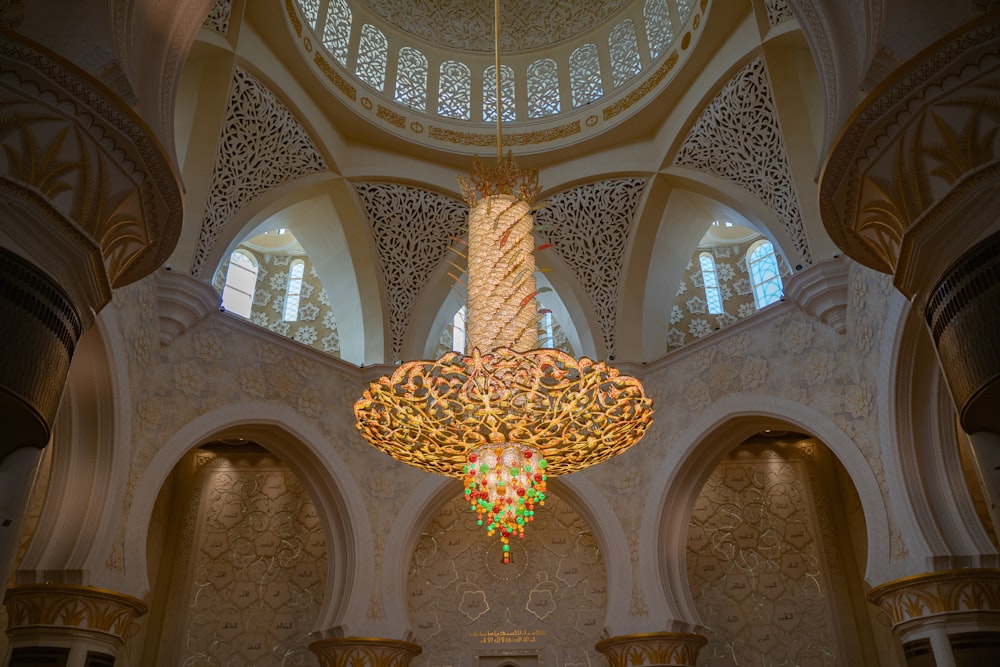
(659, 648)
(339, 81)
(364, 652)
(391, 117)
(652, 82)
(509, 139)
(33, 605)
(938, 593)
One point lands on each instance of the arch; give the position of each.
(577, 490)
(325, 217)
(683, 473)
(303, 447)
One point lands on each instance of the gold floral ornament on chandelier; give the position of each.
(507, 416)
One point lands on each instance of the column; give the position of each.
(364, 652)
(656, 649)
(68, 626)
(948, 619)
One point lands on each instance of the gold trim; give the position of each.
(939, 593)
(391, 117)
(509, 139)
(652, 82)
(655, 648)
(293, 16)
(335, 78)
(69, 606)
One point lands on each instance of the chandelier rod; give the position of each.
(496, 67)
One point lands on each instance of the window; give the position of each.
(713, 295)
(296, 271)
(458, 331)
(241, 280)
(764, 276)
(372, 57)
(411, 79)
(585, 75)
(455, 91)
(543, 88)
(659, 29)
(490, 95)
(337, 33)
(546, 333)
(310, 8)
(624, 51)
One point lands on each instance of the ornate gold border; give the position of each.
(69, 606)
(936, 593)
(654, 648)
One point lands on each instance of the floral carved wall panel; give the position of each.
(737, 138)
(218, 16)
(251, 573)
(263, 145)
(764, 571)
(548, 602)
(413, 230)
(589, 227)
(778, 11)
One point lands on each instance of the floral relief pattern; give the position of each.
(778, 11)
(218, 16)
(738, 138)
(316, 325)
(759, 572)
(551, 598)
(589, 227)
(689, 316)
(262, 146)
(253, 569)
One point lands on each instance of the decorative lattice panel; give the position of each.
(738, 138)
(413, 229)
(262, 146)
(778, 11)
(218, 17)
(590, 226)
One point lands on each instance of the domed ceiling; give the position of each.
(467, 25)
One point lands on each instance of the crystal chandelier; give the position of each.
(507, 416)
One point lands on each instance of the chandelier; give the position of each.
(506, 416)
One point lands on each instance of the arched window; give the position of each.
(372, 54)
(458, 330)
(490, 94)
(659, 29)
(337, 32)
(546, 330)
(310, 8)
(411, 79)
(764, 276)
(241, 280)
(455, 91)
(296, 270)
(585, 75)
(713, 295)
(624, 50)
(543, 88)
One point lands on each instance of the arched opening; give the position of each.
(775, 555)
(237, 560)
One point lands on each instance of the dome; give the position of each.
(426, 70)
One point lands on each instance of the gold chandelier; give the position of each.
(506, 416)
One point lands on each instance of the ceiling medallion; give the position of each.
(506, 416)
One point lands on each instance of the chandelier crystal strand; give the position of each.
(507, 416)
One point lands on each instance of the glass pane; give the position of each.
(684, 8)
(659, 28)
(372, 57)
(337, 33)
(624, 52)
(455, 91)
(310, 9)
(241, 280)
(295, 273)
(585, 75)
(411, 79)
(543, 88)
(764, 274)
(506, 90)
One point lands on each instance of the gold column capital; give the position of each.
(364, 652)
(939, 594)
(655, 649)
(77, 607)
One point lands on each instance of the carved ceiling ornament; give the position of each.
(778, 11)
(738, 138)
(263, 145)
(86, 163)
(589, 227)
(918, 146)
(413, 230)
(218, 16)
(468, 26)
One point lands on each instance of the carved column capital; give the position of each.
(86, 191)
(364, 652)
(934, 596)
(911, 180)
(32, 608)
(656, 649)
